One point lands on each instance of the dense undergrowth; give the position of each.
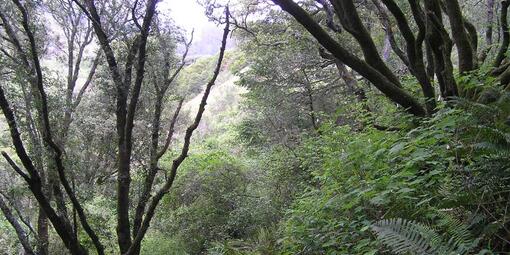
(438, 185)
(449, 174)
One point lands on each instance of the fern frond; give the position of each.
(491, 147)
(461, 239)
(481, 111)
(404, 236)
(493, 134)
(410, 237)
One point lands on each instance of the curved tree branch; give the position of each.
(20, 232)
(391, 90)
(47, 134)
(185, 149)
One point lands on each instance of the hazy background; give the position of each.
(189, 15)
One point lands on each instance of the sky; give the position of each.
(189, 15)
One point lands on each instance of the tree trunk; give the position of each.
(506, 34)
(460, 36)
(489, 25)
(346, 11)
(414, 45)
(441, 47)
(20, 232)
(42, 232)
(391, 90)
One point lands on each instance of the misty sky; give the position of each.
(189, 15)
(186, 13)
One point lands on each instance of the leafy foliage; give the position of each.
(296, 153)
(452, 162)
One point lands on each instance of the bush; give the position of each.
(453, 164)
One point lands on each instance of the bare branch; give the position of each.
(133, 15)
(184, 152)
(20, 216)
(330, 20)
(155, 134)
(15, 167)
(385, 20)
(87, 83)
(20, 232)
(34, 182)
(171, 129)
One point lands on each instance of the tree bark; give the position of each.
(346, 11)
(185, 149)
(489, 32)
(441, 47)
(489, 25)
(503, 48)
(390, 36)
(42, 232)
(47, 134)
(34, 181)
(33, 68)
(20, 232)
(125, 113)
(414, 46)
(460, 36)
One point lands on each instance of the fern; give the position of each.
(461, 239)
(479, 110)
(404, 236)
(410, 237)
(493, 136)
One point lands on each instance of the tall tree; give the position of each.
(432, 34)
(128, 86)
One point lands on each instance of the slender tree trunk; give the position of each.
(386, 48)
(415, 49)
(489, 25)
(384, 84)
(506, 34)
(430, 61)
(489, 32)
(441, 47)
(42, 232)
(473, 40)
(460, 36)
(153, 168)
(20, 232)
(346, 11)
(125, 113)
(347, 76)
(351, 82)
(185, 149)
(389, 41)
(309, 94)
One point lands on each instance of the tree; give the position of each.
(291, 86)
(128, 88)
(78, 36)
(432, 34)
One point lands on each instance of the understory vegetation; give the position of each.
(434, 186)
